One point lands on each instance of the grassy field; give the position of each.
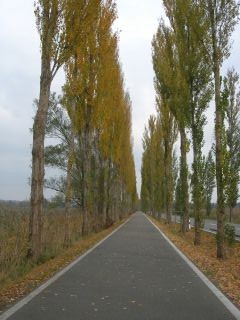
(14, 238)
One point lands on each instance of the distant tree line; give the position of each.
(188, 51)
(91, 118)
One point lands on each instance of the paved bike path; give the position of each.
(133, 275)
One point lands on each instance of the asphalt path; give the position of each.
(134, 275)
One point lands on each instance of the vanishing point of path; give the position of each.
(133, 275)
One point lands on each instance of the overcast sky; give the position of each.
(19, 82)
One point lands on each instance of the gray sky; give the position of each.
(19, 82)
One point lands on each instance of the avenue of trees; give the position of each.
(188, 51)
(91, 119)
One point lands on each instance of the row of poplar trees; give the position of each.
(91, 119)
(189, 49)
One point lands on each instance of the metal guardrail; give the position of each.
(210, 230)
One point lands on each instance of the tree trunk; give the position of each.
(37, 182)
(108, 196)
(219, 167)
(196, 194)
(168, 182)
(101, 199)
(208, 207)
(218, 135)
(123, 200)
(219, 162)
(230, 213)
(184, 181)
(68, 192)
(68, 198)
(86, 182)
(197, 209)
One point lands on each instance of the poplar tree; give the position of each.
(188, 20)
(148, 166)
(154, 188)
(177, 199)
(168, 71)
(222, 16)
(78, 35)
(233, 138)
(55, 21)
(102, 118)
(209, 181)
(81, 73)
(169, 136)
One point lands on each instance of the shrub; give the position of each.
(229, 234)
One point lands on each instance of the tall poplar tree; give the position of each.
(233, 138)
(53, 24)
(173, 86)
(84, 77)
(169, 136)
(223, 16)
(209, 181)
(153, 186)
(78, 34)
(188, 21)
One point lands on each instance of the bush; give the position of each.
(229, 234)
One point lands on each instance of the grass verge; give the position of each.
(225, 274)
(36, 275)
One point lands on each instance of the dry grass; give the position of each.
(14, 239)
(14, 289)
(224, 274)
